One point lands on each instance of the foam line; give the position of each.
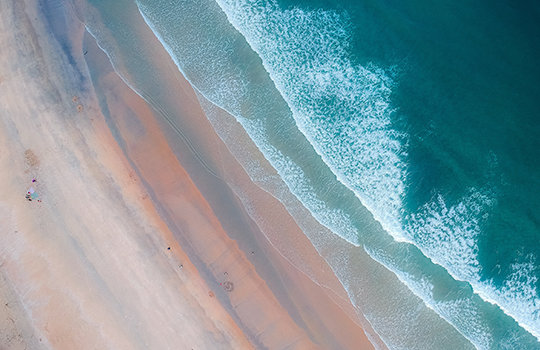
(480, 338)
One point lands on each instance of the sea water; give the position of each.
(405, 128)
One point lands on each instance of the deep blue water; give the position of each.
(420, 117)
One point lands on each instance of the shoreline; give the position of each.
(108, 217)
(199, 174)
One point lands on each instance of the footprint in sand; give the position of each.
(75, 99)
(228, 286)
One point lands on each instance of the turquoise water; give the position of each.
(406, 128)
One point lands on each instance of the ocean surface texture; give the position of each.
(408, 129)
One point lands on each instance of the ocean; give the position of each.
(408, 129)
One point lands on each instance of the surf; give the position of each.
(305, 54)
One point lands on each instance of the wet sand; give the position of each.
(123, 250)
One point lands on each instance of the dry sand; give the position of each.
(89, 265)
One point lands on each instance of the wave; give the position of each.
(448, 235)
(517, 296)
(224, 93)
(299, 184)
(344, 110)
(461, 313)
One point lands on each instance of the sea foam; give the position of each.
(344, 110)
(460, 313)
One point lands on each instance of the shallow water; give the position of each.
(406, 129)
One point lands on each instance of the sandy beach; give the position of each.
(119, 248)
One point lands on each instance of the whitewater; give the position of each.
(372, 160)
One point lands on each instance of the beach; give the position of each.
(131, 241)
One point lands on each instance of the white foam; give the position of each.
(222, 92)
(305, 53)
(448, 235)
(336, 220)
(518, 296)
(460, 313)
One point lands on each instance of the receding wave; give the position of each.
(461, 312)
